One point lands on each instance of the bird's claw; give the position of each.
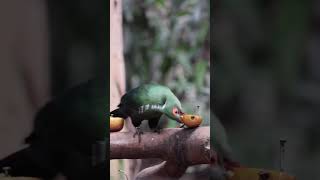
(138, 132)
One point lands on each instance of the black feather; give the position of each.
(31, 162)
(118, 113)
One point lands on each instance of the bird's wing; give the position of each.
(142, 95)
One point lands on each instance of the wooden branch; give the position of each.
(178, 147)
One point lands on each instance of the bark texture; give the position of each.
(179, 148)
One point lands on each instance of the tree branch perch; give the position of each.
(179, 148)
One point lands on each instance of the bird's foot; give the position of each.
(138, 132)
(182, 126)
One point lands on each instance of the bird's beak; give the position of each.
(181, 116)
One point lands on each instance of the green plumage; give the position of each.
(149, 102)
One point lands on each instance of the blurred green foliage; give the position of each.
(168, 42)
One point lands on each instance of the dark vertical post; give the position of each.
(282, 151)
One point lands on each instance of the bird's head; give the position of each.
(174, 111)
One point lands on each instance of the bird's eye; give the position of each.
(175, 111)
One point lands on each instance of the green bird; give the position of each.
(69, 136)
(149, 102)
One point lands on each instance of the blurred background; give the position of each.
(266, 81)
(78, 41)
(45, 48)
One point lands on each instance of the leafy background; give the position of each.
(167, 42)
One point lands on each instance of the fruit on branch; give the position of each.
(116, 124)
(191, 120)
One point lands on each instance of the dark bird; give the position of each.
(69, 137)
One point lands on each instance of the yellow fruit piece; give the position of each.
(191, 120)
(257, 174)
(116, 124)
